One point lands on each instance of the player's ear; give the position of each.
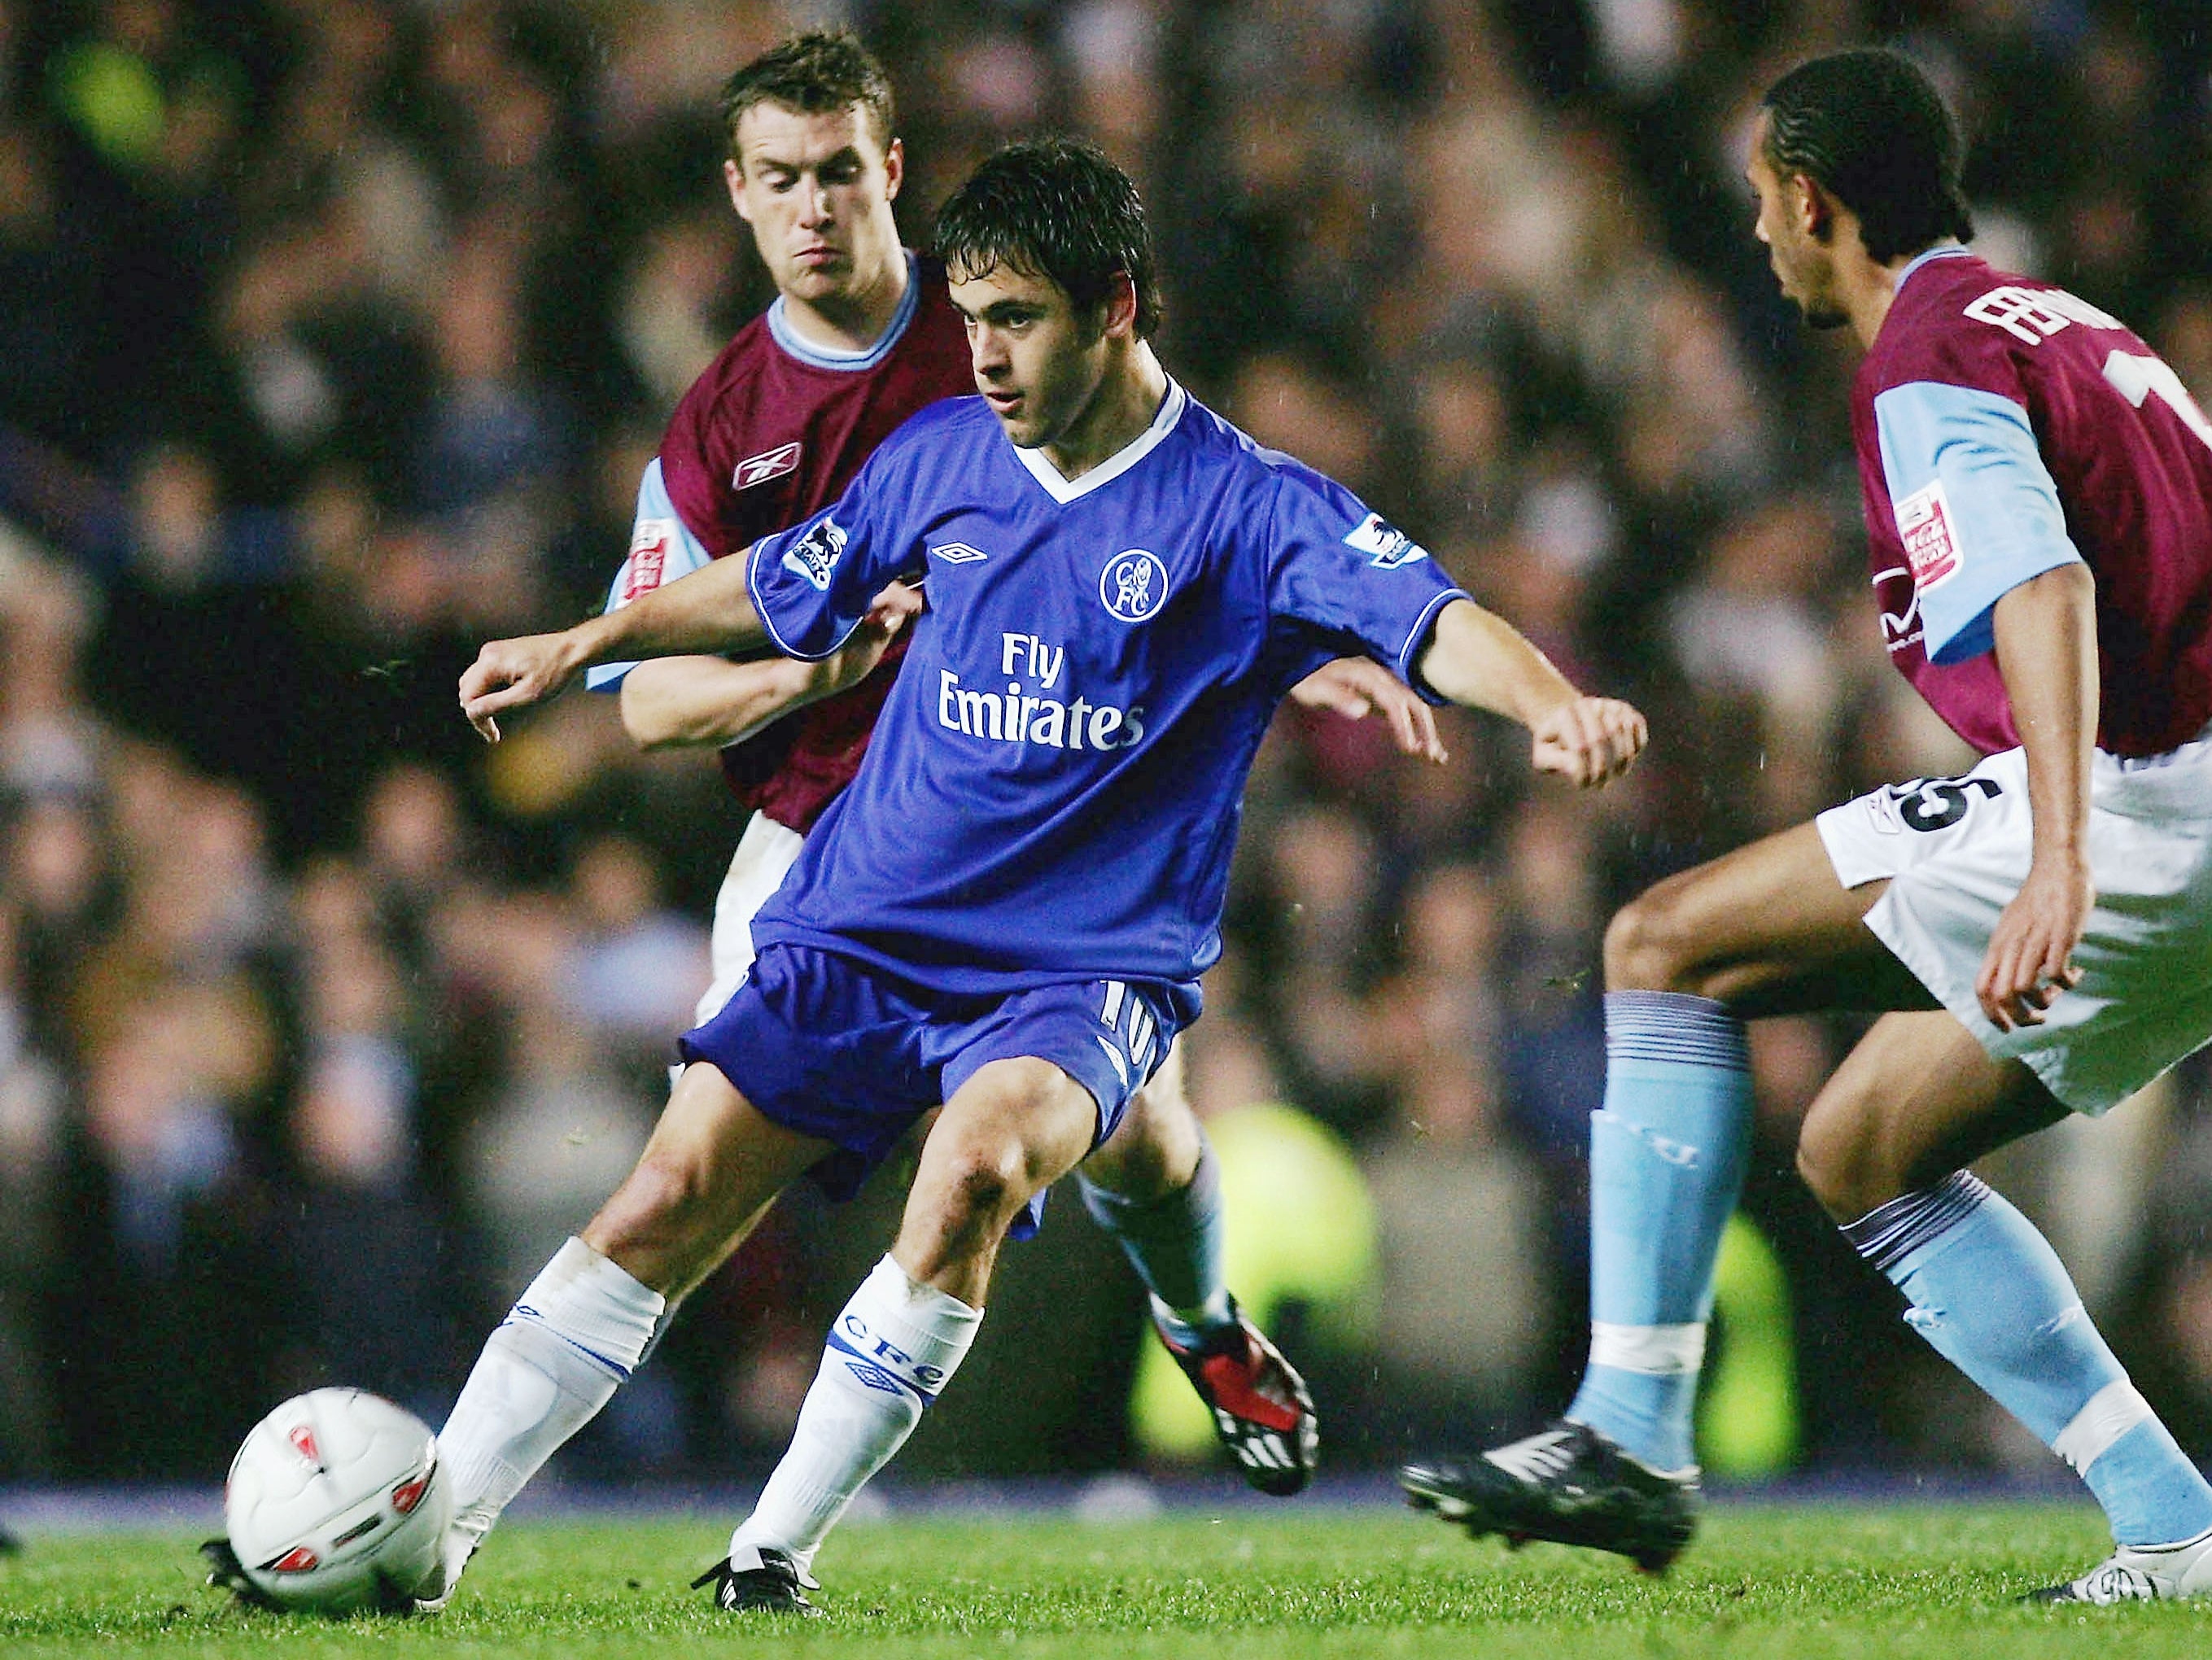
(894, 168)
(1815, 207)
(1118, 311)
(734, 177)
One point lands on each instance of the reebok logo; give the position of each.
(769, 464)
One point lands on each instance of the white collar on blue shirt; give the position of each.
(1064, 490)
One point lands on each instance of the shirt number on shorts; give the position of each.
(1934, 804)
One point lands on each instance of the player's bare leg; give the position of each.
(1768, 929)
(1014, 1127)
(1917, 1099)
(712, 1167)
(711, 1170)
(1155, 1188)
(1011, 1130)
(1884, 1148)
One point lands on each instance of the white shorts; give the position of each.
(765, 855)
(1955, 851)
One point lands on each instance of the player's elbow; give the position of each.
(652, 714)
(649, 723)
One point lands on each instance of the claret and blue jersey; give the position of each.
(2005, 428)
(1053, 790)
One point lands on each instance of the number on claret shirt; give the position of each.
(2137, 376)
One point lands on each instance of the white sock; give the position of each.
(890, 1352)
(576, 1333)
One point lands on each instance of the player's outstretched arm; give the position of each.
(708, 611)
(1356, 687)
(672, 702)
(2047, 645)
(1478, 658)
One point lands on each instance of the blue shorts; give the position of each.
(847, 1053)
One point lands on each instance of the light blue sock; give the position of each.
(1668, 1151)
(1175, 1243)
(1992, 1297)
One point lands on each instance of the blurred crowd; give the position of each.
(337, 333)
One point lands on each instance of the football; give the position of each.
(336, 1502)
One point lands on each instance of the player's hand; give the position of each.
(855, 661)
(2030, 958)
(514, 673)
(1592, 740)
(1356, 687)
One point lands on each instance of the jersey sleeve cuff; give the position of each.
(606, 677)
(1417, 638)
(1977, 633)
(766, 615)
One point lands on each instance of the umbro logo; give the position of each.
(958, 553)
(769, 464)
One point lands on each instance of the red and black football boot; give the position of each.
(1261, 1410)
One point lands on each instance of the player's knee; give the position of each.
(1154, 1152)
(664, 1200)
(1650, 947)
(981, 1183)
(1840, 1164)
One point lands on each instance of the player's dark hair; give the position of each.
(1056, 209)
(816, 73)
(1870, 129)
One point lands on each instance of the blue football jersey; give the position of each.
(1054, 788)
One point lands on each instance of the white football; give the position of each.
(336, 1502)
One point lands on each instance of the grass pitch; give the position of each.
(1804, 1582)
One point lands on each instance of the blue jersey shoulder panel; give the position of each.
(1976, 506)
(661, 549)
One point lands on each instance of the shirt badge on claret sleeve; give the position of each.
(649, 558)
(1931, 547)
